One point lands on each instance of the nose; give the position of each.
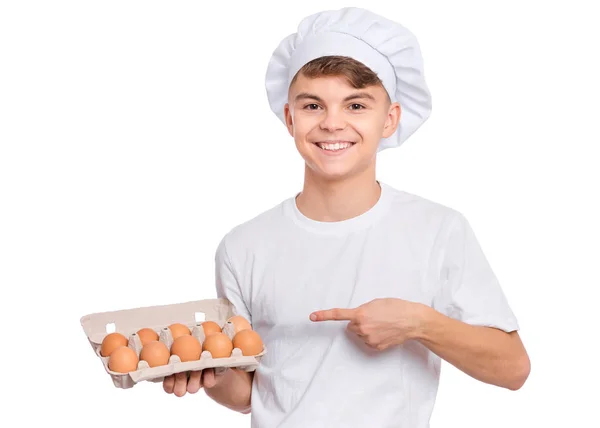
(333, 121)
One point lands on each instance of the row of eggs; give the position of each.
(123, 359)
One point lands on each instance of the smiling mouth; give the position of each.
(334, 146)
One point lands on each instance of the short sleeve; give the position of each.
(227, 282)
(469, 290)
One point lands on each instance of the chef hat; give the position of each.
(386, 47)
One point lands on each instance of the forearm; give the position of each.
(233, 391)
(486, 354)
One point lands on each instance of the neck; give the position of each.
(338, 200)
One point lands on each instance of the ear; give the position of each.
(289, 120)
(393, 119)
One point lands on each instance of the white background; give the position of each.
(135, 134)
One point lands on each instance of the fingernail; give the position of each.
(313, 317)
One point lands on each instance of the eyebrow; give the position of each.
(359, 95)
(355, 96)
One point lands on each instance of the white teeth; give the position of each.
(334, 146)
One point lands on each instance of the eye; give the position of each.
(311, 106)
(356, 106)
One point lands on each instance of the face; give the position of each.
(336, 127)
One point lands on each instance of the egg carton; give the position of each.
(192, 314)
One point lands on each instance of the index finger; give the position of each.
(335, 314)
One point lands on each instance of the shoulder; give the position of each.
(256, 230)
(432, 225)
(420, 209)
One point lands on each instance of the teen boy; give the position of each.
(357, 288)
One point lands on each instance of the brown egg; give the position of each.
(249, 342)
(210, 327)
(187, 348)
(111, 342)
(123, 360)
(178, 330)
(147, 335)
(155, 354)
(240, 323)
(219, 345)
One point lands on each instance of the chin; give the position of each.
(332, 172)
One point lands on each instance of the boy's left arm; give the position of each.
(485, 353)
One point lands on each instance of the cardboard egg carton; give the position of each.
(192, 314)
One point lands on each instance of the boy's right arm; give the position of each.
(232, 388)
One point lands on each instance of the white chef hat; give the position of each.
(386, 47)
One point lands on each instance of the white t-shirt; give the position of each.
(280, 266)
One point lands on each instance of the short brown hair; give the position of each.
(356, 73)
